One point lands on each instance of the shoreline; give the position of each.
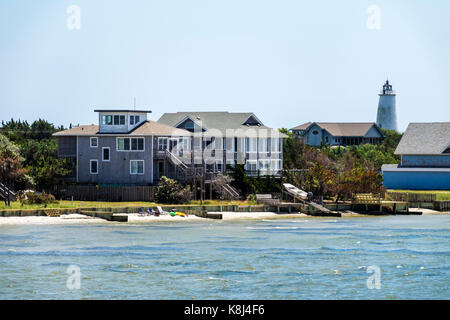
(136, 218)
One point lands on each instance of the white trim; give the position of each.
(143, 167)
(90, 142)
(103, 154)
(90, 166)
(117, 144)
(167, 143)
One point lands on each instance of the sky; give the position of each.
(289, 62)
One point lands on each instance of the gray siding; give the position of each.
(117, 170)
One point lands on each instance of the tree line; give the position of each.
(29, 155)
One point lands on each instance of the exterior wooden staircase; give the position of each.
(5, 193)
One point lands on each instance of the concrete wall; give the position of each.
(426, 161)
(417, 180)
(117, 170)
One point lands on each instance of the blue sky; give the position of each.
(288, 61)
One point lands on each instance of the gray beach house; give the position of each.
(126, 148)
(338, 133)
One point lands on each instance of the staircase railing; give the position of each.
(175, 160)
(231, 191)
(4, 192)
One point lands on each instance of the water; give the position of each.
(309, 258)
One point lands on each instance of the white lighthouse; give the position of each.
(387, 115)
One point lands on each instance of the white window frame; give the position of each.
(90, 166)
(275, 165)
(274, 145)
(90, 142)
(262, 161)
(119, 116)
(262, 145)
(104, 118)
(130, 150)
(143, 167)
(166, 143)
(248, 162)
(103, 154)
(252, 145)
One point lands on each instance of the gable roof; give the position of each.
(218, 120)
(430, 138)
(147, 128)
(342, 129)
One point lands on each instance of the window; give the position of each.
(107, 120)
(315, 132)
(262, 145)
(263, 165)
(136, 166)
(250, 165)
(162, 144)
(130, 144)
(94, 142)
(119, 120)
(274, 146)
(93, 166)
(250, 144)
(106, 154)
(134, 120)
(275, 165)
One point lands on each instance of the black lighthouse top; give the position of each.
(387, 88)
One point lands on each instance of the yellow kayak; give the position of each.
(181, 214)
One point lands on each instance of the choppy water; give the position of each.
(311, 258)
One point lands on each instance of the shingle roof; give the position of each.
(425, 138)
(341, 129)
(148, 128)
(220, 120)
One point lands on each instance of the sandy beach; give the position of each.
(137, 218)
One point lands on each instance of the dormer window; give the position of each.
(107, 120)
(119, 120)
(134, 120)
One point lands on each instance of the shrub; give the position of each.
(170, 191)
(39, 198)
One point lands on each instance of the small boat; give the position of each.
(181, 214)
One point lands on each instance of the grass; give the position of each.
(441, 195)
(16, 205)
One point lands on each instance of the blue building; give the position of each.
(338, 133)
(425, 159)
